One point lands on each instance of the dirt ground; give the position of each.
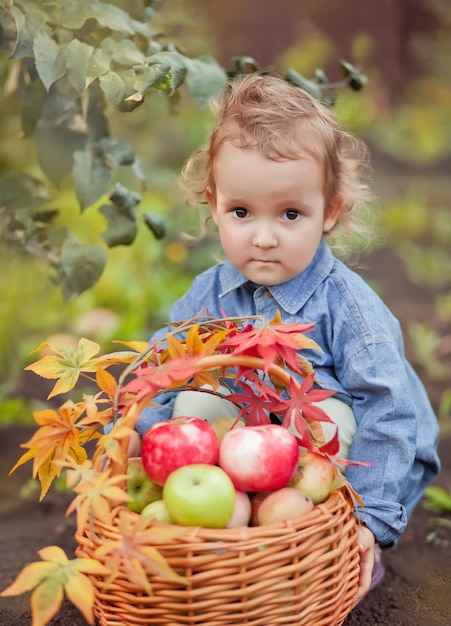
(415, 591)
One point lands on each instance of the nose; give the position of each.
(264, 236)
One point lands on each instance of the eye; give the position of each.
(292, 215)
(240, 213)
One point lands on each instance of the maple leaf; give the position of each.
(57, 439)
(168, 375)
(271, 342)
(66, 365)
(257, 406)
(133, 552)
(110, 443)
(95, 493)
(299, 410)
(53, 576)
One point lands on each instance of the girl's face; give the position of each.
(270, 215)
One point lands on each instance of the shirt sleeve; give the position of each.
(386, 409)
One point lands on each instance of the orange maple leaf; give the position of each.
(133, 552)
(58, 439)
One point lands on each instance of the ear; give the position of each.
(331, 213)
(211, 199)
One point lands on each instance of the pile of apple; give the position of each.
(194, 473)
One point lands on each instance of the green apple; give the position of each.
(140, 487)
(200, 495)
(158, 511)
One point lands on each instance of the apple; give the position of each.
(200, 495)
(242, 512)
(180, 441)
(315, 475)
(283, 504)
(159, 511)
(222, 426)
(256, 500)
(140, 487)
(259, 458)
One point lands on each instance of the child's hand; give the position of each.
(366, 542)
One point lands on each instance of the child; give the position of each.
(279, 176)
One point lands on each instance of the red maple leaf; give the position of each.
(270, 342)
(258, 405)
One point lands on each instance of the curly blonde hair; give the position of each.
(283, 122)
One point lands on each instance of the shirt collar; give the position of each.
(293, 294)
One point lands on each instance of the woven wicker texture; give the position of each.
(300, 572)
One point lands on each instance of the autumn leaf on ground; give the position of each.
(132, 551)
(66, 365)
(53, 576)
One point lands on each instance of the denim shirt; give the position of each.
(362, 360)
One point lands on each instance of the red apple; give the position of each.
(259, 458)
(315, 475)
(180, 441)
(200, 495)
(256, 500)
(283, 504)
(242, 512)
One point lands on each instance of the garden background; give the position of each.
(404, 115)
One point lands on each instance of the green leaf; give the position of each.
(99, 64)
(148, 76)
(92, 177)
(49, 58)
(205, 79)
(123, 52)
(56, 144)
(125, 199)
(156, 223)
(244, 64)
(33, 99)
(292, 76)
(27, 25)
(116, 151)
(117, 86)
(121, 227)
(113, 87)
(177, 67)
(357, 79)
(19, 190)
(78, 56)
(82, 265)
(96, 119)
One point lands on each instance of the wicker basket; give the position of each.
(301, 572)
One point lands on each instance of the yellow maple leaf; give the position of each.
(96, 493)
(66, 364)
(53, 576)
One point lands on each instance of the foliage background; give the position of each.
(403, 114)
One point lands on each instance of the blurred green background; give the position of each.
(403, 114)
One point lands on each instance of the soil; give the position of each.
(415, 590)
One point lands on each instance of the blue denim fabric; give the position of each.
(362, 360)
